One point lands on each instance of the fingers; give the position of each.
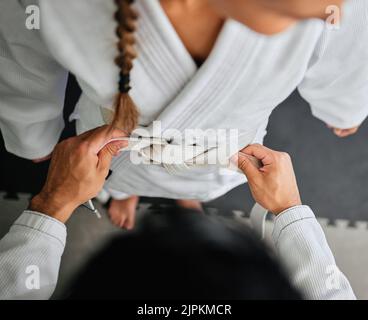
(247, 166)
(343, 133)
(268, 158)
(99, 137)
(42, 159)
(106, 155)
(262, 153)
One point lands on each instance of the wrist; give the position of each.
(277, 211)
(53, 206)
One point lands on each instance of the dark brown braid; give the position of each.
(126, 113)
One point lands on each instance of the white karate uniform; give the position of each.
(38, 240)
(245, 77)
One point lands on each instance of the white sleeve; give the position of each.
(303, 248)
(336, 84)
(32, 86)
(30, 257)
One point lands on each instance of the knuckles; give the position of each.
(283, 157)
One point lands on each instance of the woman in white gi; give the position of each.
(198, 66)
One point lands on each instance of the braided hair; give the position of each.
(126, 113)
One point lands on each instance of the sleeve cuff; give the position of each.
(42, 223)
(290, 216)
(32, 141)
(348, 121)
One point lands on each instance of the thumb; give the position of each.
(107, 153)
(247, 166)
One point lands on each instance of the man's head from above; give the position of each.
(184, 255)
(273, 16)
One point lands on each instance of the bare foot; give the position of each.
(122, 212)
(190, 204)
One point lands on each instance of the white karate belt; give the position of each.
(180, 157)
(177, 158)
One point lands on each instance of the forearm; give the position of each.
(302, 246)
(30, 257)
(55, 205)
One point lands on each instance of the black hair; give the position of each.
(184, 255)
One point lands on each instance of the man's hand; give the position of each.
(273, 186)
(77, 172)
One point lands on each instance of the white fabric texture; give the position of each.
(33, 240)
(180, 157)
(32, 87)
(36, 239)
(302, 247)
(246, 76)
(258, 216)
